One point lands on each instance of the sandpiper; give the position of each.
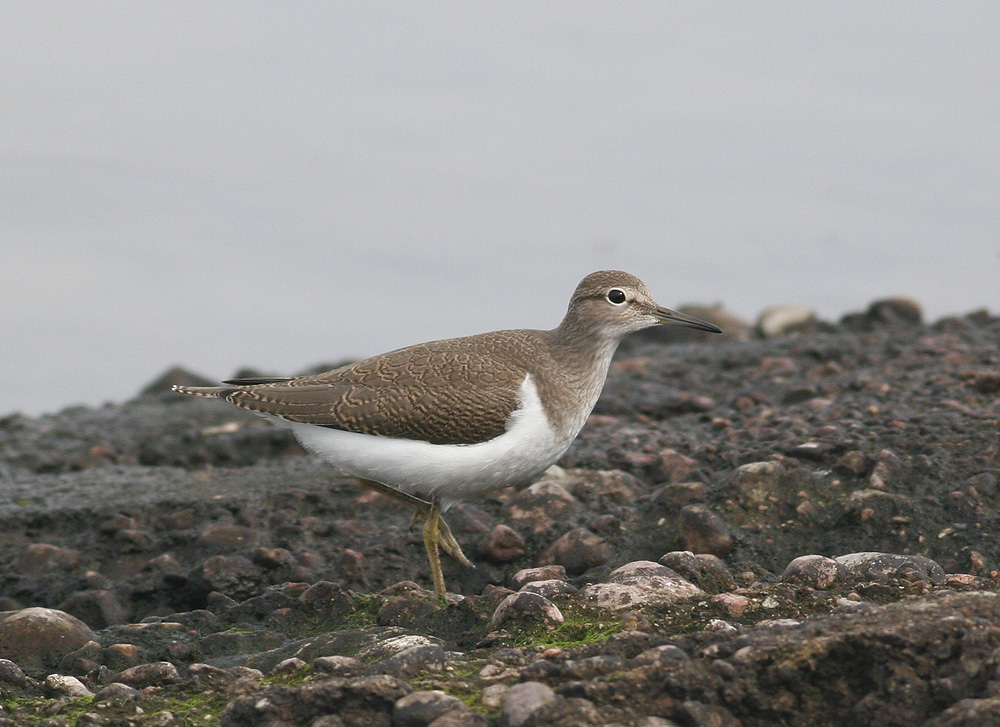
(440, 422)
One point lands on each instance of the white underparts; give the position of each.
(448, 472)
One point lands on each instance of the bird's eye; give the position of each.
(616, 296)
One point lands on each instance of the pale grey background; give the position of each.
(218, 184)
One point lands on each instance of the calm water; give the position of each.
(222, 184)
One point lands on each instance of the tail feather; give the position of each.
(214, 392)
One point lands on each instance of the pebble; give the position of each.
(288, 666)
(36, 638)
(383, 648)
(460, 718)
(757, 481)
(502, 544)
(527, 607)
(548, 588)
(702, 531)
(540, 505)
(699, 714)
(338, 666)
(640, 583)
(736, 604)
(884, 567)
(67, 685)
(577, 551)
(523, 700)
(12, 673)
(123, 656)
(493, 696)
(544, 573)
(154, 674)
(411, 662)
(421, 708)
(813, 570)
(117, 693)
(666, 656)
(674, 466)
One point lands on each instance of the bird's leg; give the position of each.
(436, 531)
(432, 538)
(451, 546)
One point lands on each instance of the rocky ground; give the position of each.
(790, 530)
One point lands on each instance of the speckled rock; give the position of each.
(891, 566)
(548, 588)
(640, 583)
(814, 570)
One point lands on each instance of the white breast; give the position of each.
(446, 471)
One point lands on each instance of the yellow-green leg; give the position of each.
(437, 534)
(432, 538)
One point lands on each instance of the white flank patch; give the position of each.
(446, 471)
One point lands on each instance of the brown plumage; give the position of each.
(456, 391)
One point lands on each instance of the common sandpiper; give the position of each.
(439, 422)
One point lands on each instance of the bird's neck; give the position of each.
(584, 354)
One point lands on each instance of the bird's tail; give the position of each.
(214, 392)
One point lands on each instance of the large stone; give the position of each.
(641, 583)
(37, 638)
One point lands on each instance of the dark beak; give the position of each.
(672, 317)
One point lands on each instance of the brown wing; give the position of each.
(438, 392)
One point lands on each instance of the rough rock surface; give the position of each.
(825, 505)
